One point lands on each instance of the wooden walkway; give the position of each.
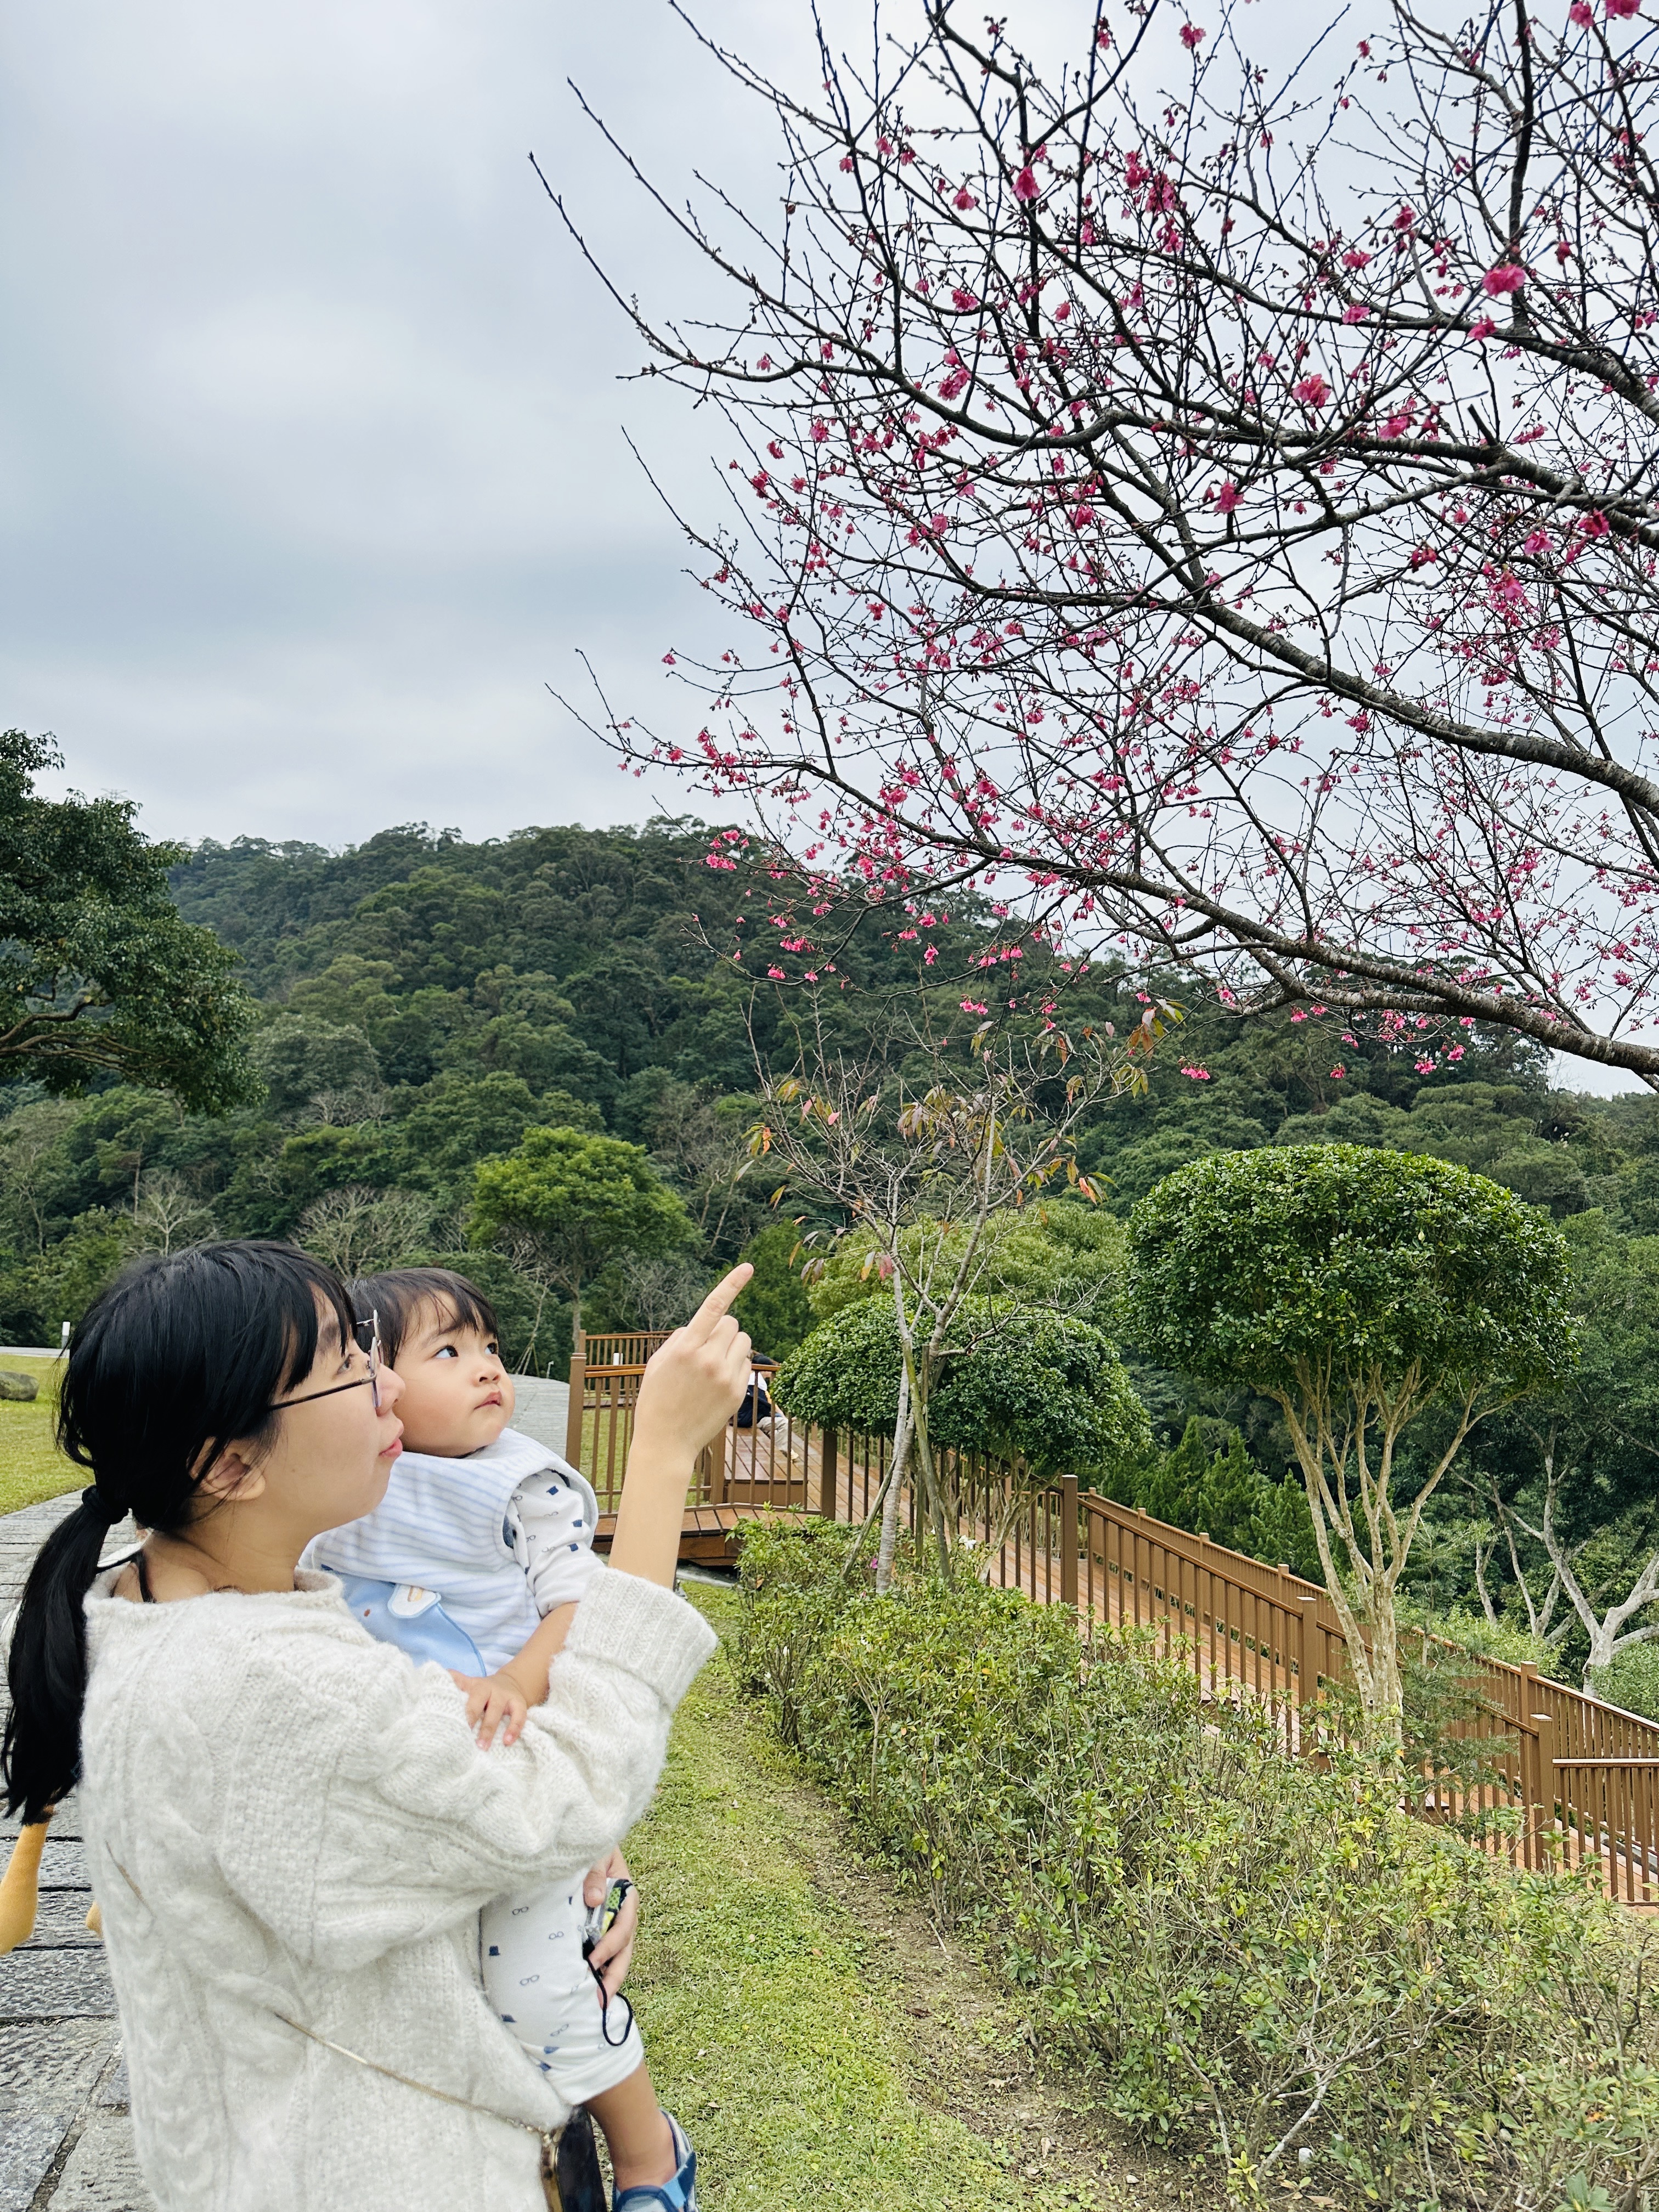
(1583, 1776)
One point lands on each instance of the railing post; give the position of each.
(1545, 1847)
(829, 1482)
(572, 1419)
(1068, 1512)
(1307, 1688)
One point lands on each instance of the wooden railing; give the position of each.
(1577, 1779)
(777, 1464)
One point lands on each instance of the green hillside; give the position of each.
(423, 1001)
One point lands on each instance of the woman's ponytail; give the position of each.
(46, 1664)
(177, 1359)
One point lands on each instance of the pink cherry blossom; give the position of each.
(1025, 184)
(1313, 391)
(1580, 13)
(1497, 283)
(1356, 311)
(1191, 37)
(1227, 498)
(1483, 329)
(1623, 8)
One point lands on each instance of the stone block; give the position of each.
(37, 1986)
(101, 2172)
(28, 2144)
(47, 2071)
(64, 1862)
(60, 1922)
(51, 2062)
(14, 1383)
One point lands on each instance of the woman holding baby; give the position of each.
(293, 1830)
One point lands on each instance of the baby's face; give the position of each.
(458, 1397)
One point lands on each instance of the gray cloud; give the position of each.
(312, 472)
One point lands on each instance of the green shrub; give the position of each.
(1029, 1385)
(775, 1307)
(1209, 1482)
(1240, 1943)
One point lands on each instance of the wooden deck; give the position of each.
(708, 1534)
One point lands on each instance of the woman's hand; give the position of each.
(613, 1953)
(688, 1392)
(695, 1381)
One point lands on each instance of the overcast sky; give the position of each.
(311, 467)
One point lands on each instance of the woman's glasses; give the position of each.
(373, 1377)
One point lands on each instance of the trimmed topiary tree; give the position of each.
(1038, 1386)
(1360, 1290)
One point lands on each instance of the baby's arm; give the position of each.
(550, 1521)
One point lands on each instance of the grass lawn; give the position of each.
(31, 1465)
(820, 2043)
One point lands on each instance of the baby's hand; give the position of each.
(493, 1702)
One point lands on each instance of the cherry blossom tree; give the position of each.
(1211, 502)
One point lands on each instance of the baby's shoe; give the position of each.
(679, 2194)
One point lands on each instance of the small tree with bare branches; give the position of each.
(919, 1167)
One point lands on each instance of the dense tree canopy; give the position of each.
(98, 975)
(580, 1200)
(1040, 1387)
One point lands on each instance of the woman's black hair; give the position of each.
(177, 1359)
(401, 1295)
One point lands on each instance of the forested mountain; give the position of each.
(423, 1001)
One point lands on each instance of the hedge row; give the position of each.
(1237, 1945)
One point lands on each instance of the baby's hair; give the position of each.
(401, 1295)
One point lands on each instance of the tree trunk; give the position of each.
(1370, 1628)
(890, 1505)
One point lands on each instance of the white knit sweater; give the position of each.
(285, 1817)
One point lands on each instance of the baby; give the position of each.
(476, 1558)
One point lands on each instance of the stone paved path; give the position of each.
(65, 2136)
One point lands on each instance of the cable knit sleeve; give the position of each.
(359, 1813)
